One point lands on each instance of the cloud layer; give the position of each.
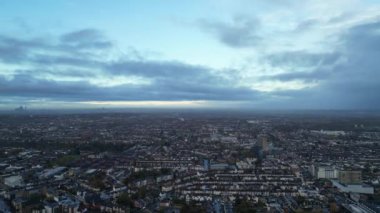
(310, 55)
(70, 67)
(348, 77)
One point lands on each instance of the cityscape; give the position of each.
(190, 162)
(197, 106)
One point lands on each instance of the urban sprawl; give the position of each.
(189, 162)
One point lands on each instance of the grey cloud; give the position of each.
(50, 57)
(78, 61)
(82, 36)
(306, 25)
(333, 95)
(66, 72)
(314, 66)
(86, 38)
(21, 50)
(14, 50)
(29, 87)
(364, 38)
(25, 43)
(164, 70)
(347, 76)
(170, 80)
(241, 32)
(11, 54)
(302, 59)
(25, 85)
(304, 76)
(353, 83)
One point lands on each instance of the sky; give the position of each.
(248, 54)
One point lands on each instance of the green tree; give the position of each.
(124, 200)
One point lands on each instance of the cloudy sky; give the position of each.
(255, 54)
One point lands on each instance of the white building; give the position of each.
(13, 181)
(51, 172)
(327, 172)
(354, 188)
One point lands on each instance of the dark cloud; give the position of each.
(26, 86)
(364, 38)
(166, 70)
(241, 32)
(352, 83)
(304, 66)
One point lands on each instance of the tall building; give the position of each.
(258, 152)
(313, 170)
(206, 164)
(262, 141)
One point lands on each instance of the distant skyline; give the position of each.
(250, 54)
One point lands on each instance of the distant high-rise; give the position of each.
(262, 141)
(20, 109)
(258, 152)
